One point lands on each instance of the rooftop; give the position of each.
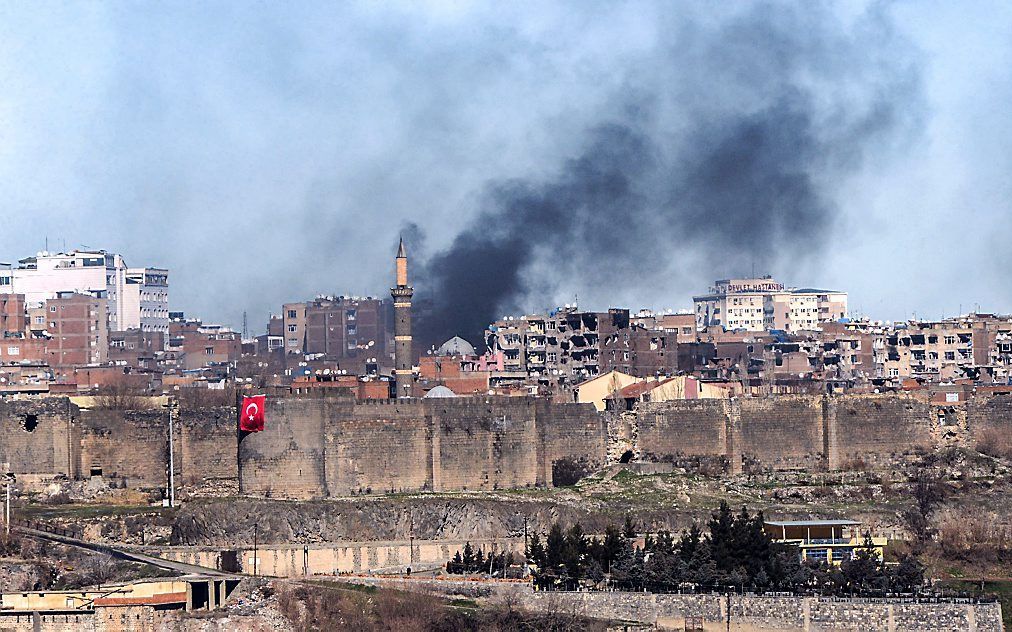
(812, 523)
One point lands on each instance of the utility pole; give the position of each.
(255, 560)
(172, 459)
(7, 509)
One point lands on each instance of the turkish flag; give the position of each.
(251, 417)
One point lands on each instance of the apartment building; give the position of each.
(200, 345)
(136, 348)
(683, 323)
(765, 304)
(293, 320)
(77, 331)
(350, 330)
(136, 298)
(12, 314)
(560, 347)
(139, 299)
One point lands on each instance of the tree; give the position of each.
(928, 491)
(456, 565)
(615, 543)
(629, 530)
(664, 543)
(536, 551)
(908, 575)
(468, 558)
(863, 570)
(690, 541)
(722, 537)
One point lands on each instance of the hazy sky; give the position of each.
(269, 152)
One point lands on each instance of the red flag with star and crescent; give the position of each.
(252, 416)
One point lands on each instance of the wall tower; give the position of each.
(401, 294)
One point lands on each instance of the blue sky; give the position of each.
(267, 152)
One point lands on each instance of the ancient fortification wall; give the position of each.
(35, 436)
(206, 445)
(989, 420)
(795, 431)
(331, 447)
(319, 446)
(130, 444)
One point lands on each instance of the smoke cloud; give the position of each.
(627, 153)
(725, 157)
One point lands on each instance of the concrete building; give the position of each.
(830, 541)
(349, 330)
(562, 347)
(136, 348)
(202, 345)
(137, 298)
(293, 316)
(12, 314)
(765, 304)
(683, 324)
(77, 331)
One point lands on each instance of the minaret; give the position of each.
(401, 294)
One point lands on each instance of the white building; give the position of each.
(137, 298)
(763, 304)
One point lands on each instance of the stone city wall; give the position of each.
(788, 432)
(316, 447)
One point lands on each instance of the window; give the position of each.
(817, 554)
(209, 350)
(291, 313)
(52, 308)
(552, 356)
(352, 314)
(352, 329)
(12, 350)
(894, 372)
(950, 355)
(292, 328)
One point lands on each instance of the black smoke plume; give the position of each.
(724, 159)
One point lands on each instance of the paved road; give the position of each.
(179, 567)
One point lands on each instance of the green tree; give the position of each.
(629, 529)
(468, 559)
(722, 527)
(908, 575)
(535, 552)
(863, 570)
